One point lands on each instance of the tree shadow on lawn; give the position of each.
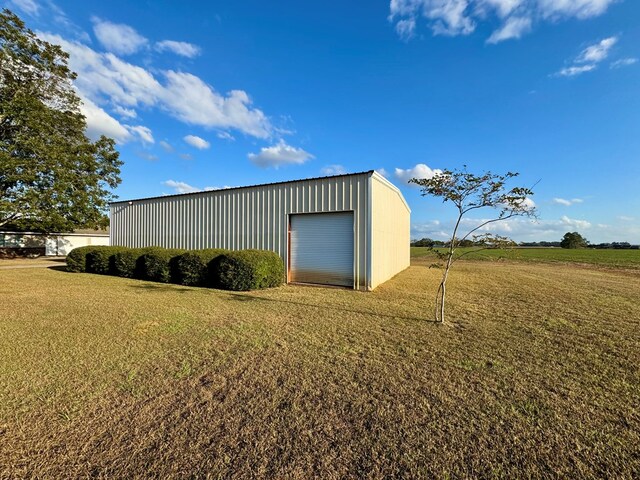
(239, 297)
(242, 297)
(59, 268)
(163, 288)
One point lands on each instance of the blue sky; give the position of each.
(213, 94)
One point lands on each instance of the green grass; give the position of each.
(608, 258)
(110, 377)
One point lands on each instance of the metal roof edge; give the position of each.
(388, 183)
(201, 192)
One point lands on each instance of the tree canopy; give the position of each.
(469, 192)
(52, 177)
(573, 240)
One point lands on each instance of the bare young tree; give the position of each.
(470, 192)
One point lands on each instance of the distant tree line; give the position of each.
(431, 243)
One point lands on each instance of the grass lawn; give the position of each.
(629, 259)
(538, 377)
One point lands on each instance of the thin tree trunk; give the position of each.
(442, 290)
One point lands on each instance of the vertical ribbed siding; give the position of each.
(251, 217)
(390, 231)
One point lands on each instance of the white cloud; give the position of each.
(581, 9)
(528, 203)
(624, 62)
(382, 172)
(589, 58)
(419, 171)
(147, 156)
(191, 100)
(571, 222)
(566, 202)
(143, 133)
(100, 122)
(27, 6)
(460, 17)
(117, 37)
(406, 28)
(181, 187)
(125, 112)
(517, 228)
(333, 170)
(184, 49)
(166, 146)
(226, 136)
(575, 70)
(598, 52)
(197, 142)
(104, 77)
(278, 155)
(514, 27)
(625, 218)
(503, 8)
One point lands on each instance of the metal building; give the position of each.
(348, 230)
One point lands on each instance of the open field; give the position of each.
(22, 261)
(538, 377)
(607, 258)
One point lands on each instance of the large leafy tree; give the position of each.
(470, 192)
(52, 177)
(573, 240)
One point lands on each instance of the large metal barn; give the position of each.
(345, 230)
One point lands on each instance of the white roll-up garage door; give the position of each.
(322, 248)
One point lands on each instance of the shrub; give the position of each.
(77, 259)
(247, 270)
(126, 263)
(155, 263)
(191, 267)
(101, 259)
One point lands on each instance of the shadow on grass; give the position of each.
(161, 287)
(239, 297)
(59, 268)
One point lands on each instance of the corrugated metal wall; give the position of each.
(390, 232)
(241, 218)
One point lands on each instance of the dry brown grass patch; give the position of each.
(105, 376)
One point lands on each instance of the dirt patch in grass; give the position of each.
(539, 377)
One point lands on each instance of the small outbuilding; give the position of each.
(344, 230)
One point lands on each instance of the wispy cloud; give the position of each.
(118, 37)
(461, 17)
(514, 27)
(226, 136)
(567, 202)
(184, 49)
(279, 155)
(624, 62)
(575, 70)
(333, 170)
(406, 28)
(147, 156)
(29, 7)
(166, 146)
(598, 52)
(197, 142)
(589, 58)
(106, 79)
(181, 187)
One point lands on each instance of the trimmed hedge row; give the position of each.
(225, 269)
